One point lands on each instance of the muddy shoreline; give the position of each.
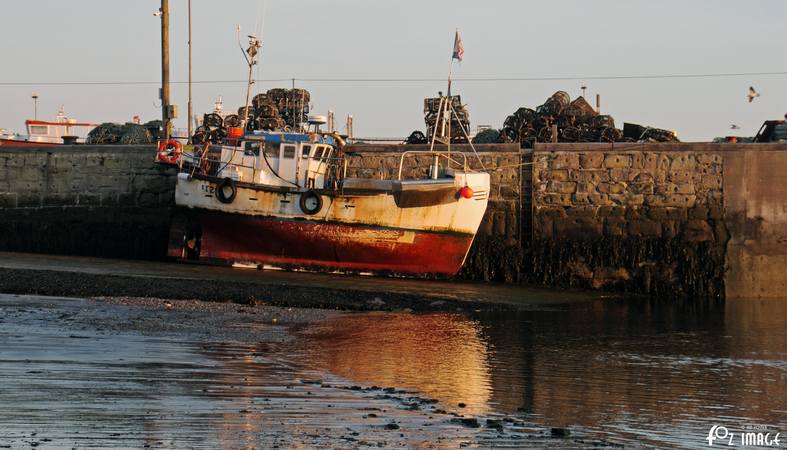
(72, 284)
(152, 373)
(72, 276)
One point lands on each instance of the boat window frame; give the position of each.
(321, 148)
(33, 129)
(288, 148)
(252, 148)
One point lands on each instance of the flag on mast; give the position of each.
(459, 49)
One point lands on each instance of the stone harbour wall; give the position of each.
(670, 220)
(85, 200)
(643, 218)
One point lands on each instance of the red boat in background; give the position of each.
(44, 133)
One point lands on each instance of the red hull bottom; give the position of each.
(233, 238)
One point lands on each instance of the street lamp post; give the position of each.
(35, 106)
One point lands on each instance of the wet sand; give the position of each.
(22, 273)
(147, 373)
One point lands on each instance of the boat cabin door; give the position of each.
(288, 167)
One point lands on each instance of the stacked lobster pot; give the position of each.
(126, 134)
(459, 119)
(275, 110)
(214, 128)
(281, 108)
(574, 121)
(265, 115)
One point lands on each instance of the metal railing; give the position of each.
(332, 169)
(436, 163)
(201, 160)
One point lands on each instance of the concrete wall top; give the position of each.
(76, 149)
(360, 148)
(658, 147)
(398, 148)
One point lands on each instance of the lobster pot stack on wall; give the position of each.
(576, 121)
(459, 119)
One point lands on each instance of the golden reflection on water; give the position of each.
(612, 365)
(441, 355)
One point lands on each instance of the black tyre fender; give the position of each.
(221, 195)
(305, 207)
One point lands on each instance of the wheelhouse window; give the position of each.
(288, 151)
(306, 150)
(323, 152)
(39, 129)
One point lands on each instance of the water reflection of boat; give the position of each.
(63, 130)
(443, 356)
(641, 372)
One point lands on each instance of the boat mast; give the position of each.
(448, 112)
(251, 59)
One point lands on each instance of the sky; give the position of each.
(51, 41)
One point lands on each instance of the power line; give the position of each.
(556, 78)
(130, 83)
(403, 80)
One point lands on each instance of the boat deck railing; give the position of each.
(208, 161)
(438, 157)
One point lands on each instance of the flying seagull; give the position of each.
(734, 127)
(752, 94)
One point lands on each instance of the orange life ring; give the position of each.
(169, 151)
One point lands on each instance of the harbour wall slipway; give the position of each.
(674, 220)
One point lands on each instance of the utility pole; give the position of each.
(165, 106)
(191, 112)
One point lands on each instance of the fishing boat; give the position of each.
(284, 199)
(61, 131)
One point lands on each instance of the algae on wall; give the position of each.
(636, 219)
